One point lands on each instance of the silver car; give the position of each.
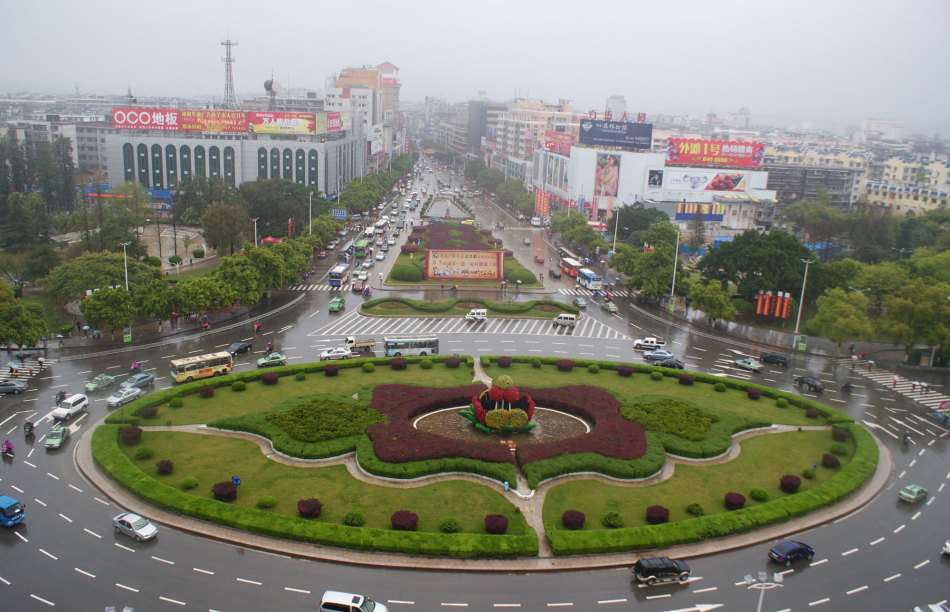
(134, 526)
(123, 396)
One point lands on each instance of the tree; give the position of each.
(40, 261)
(881, 281)
(842, 315)
(158, 298)
(633, 221)
(697, 230)
(651, 272)
(918, 313)
(95, 271)
(713, 300)
(754, 261)
(203, 293)
(490, 179)
(108, 308)
(26, 221)
(241, 279)
(473, 168)
(224, 224)
(21, 324)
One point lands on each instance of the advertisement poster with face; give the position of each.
(607, 175)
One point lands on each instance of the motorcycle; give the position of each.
(135, 367)
(367, 292)
(907, 438)
(60, 397)
(270, 349)
(6, 449)
(28, 429)
(846, 387)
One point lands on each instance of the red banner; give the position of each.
(694, 152)
(223, 121)
(558, 142)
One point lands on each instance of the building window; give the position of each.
(312, 168)
(184, 154)
(214, 163)
(288, 165)
(262, 163)
(300, 169)
(274, 163)
(171, 166)
(142, 153)
(229, 166)
(200, 161)
(128, 162)
(157, 181)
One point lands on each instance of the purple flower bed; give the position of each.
(405, 402)
(409, 248)
(399, 442)
(439, 238)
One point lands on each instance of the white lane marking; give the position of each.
(75, 488)
(40, 599)
(123, 547)
(848, 552)
(819, 601)
(293, 590)
(857, 590)
(819, 562)
(101, 501)
(612, 601)
(50, 555)
(921, 564)
(84, 573)
(163, 560)
(877, 541)
(894, 577)
(65, 518)
(174, 601)
(92, 533)
(202, 571)
(246, 581)
(39, 501)
(899, 529)
(127, 588)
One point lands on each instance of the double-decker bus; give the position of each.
(339, 275)
(570, 266)
(563, 253)
(360, 249)
(397, 346)
(188, 369)
(587, 278)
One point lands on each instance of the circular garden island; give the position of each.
(597, 438)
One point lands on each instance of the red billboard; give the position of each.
(146, 118)
(558, 142)
(223, 121)
(282, 123)
(695, 152)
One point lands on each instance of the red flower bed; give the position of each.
(400, 442)
(405, 402)
(409, 248)
(442, 237)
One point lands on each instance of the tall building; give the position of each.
(374, 90)
(515, 135)
(883, 129)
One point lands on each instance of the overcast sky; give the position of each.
(830, 61)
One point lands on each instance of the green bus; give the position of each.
(361, 248)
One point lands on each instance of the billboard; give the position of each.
(695, 152)
(699, 180)
(616, 134)
(558, 142)
(606, 175)
(686, 211)
(226, 121)
(464, 265)
(282, 123)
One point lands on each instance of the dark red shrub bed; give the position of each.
(403, 520)
(165, 466)
(485, 232)
(398, 363)
(790, 483)
(564, 365)
(625, 370)
(496, 524)
(811, 413)
(687, 379)
(130, 435)
(573, 519)
(452, 362)
(734, 501)
(504, 362)
(830, 461)
(494, 241)
(399, 442)
(753, 394)
(405, 402)
(441, 237)
(418, 229)
(206, 391)
(840, 434)
(269, 378)
(309, 508)
(331, 369)
(657, 515)
(224, 491)
(409, 248)
(149, 412)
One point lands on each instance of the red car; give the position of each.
(322, 255)
(538, 259)
(357, 286)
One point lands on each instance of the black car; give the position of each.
(554, 273)
(790, 551)
(239, 347)
(660, 569)
(810, 383)
(774, 358)
(671, 363)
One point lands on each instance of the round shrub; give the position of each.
(790, 483)
(176, 402)
(269, 378)
(719, 388)
(496, 524)
(198, 253)
(695, 509)
(331, 369)
(130, 435)
(536, 363)
(753, 394)
(593, 368)
(450, 525)
(369, 367)
(734, 501)
(781, 403)
(404, 520)
(811, 413)
(759, 494)
(300, 376)
(612, 520)
(839, 449)
(164, 466)
(406, 274)
(309, 508)
(408, 248)
(149, 412)
(425, 363)
(504, 361)
(573, 519)
(206, 391)
(687, 379)
(354, 518)
(144, 452)
(189, 482)
(830, 461)
(397, 363)
(153, 261)
(564, 365)
(840, 434)
(225, 491)
(174, 260)
(657, 515)
(238, 386)
(452, 362)
(266, 501)
(625, 370)
(657, 376)
(808, 473)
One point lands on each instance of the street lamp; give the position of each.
(673, 286)
(311, 212)
(255, 229)
(761, 583)
(125, 261)
(901, 251)
(801, 298)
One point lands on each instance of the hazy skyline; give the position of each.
(831, 62)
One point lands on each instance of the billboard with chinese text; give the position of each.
(558, 142)
(700, 180)
(616, 134)
(695, 152)
(282, 123)
(465, 265)
(227, 121)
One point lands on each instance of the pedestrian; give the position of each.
(852, 348)
(78, 326)
(60, 343)
(863, 354)
(39, 360)
(913, 386)
(31, 372)
(870, 364)
(894, 382)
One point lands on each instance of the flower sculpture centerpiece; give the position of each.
(501, 409)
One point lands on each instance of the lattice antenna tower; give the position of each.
(229, 99)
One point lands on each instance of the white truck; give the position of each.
(648, 344)
(477, 314)
(352, 344)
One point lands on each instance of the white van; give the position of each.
(565, 319)
(336, 601)
(536, 221)
(477, 314)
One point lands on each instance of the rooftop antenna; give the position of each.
(272, 87)
(229, 100)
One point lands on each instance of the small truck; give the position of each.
(648, 344)
(11, 511)
(353, 345)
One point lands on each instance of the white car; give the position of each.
(123, 395)
(946, 547)
(391, 242)
(134, 526)
(335, 353)
(380, 256)
(363, 275)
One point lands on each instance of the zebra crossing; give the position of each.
(314, 287)
(914, 390)
(22, 369)
(574, 291)
(352, 324)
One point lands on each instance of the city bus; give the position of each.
(360, 249)
(587, 278)
(339, 275)
(563, 253)
(188, 369)
(570, 266)
(398, 346)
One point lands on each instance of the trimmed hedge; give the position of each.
(612, 520)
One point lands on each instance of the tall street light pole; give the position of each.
(673, 286)
(255, 230)
(801, 298)
(311, 212)
(125, 261)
